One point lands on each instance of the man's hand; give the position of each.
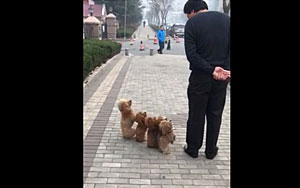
(221, 74)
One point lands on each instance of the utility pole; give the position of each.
(125, 20)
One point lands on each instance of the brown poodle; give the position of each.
(141, 127)
(127, 118)
(153, 130)
(165, 136)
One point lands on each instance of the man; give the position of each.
(207, 47)
(161, 39)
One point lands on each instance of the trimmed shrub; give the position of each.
(129, 32)
(96, 52)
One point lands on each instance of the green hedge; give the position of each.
(129, 32)
(96, 52)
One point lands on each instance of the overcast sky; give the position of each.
(178, 5)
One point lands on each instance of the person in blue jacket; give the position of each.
(161, 39)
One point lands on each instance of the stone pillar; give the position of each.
(111, 26)
(151, 51)
(92, 28)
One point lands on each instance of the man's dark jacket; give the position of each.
(207, 41)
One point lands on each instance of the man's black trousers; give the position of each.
(161, 47)
(206, 99)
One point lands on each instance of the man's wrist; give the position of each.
(211, 70)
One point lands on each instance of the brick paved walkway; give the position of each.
(158, 85)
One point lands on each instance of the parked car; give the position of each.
(177, 29)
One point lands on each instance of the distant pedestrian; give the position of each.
(144, 22)
(161, 39)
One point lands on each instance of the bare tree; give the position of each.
(166, 5)
(155, 9)
(149, 16)
(161, 7)
(226, 6)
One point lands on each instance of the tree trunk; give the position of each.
(162, 17)
(158, 20)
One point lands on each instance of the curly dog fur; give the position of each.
(165, 136)
(141, 127)
(127, 118)
(153, 129)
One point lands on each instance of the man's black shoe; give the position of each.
(211, 155)
(191, 154)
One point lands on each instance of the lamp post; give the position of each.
(91, 10)
(110, 10)
(125, 20)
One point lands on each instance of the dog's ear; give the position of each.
(171, 123)
(130, 102)
(161, 129)
(122, 106)
(164, 127)
(168, 128)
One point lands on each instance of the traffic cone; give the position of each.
(131, 41)
(177, 39)
(155, 40)
(141, 46)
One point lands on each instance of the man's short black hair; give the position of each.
(195, 5)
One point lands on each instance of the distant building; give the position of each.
(91, 2)
(99, 11)
(99, 15)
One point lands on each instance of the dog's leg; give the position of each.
(132, 133)
(164, 145)
(128, 133)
